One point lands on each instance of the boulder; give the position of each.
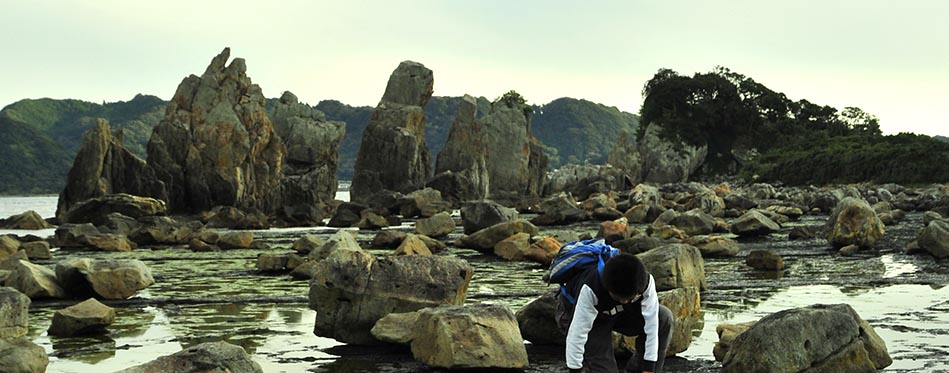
(853, 222)
(667, 161)
(516, 165)
(514, 247)
(388, 239)
(27, 220)
(412, 245)
(8, 246)
(726, 336)
(103, 166)
(714, 246)
(10, 263)
(206, 357)
(434, 245)
(235, 240)
(20, 355)
(107, 278)
(754, 223)
(820, 338)
(35, 281)
(803, 233)
(272, 262)
(397, 328)
(684, 303)
(477, 215)
(371, 221)
(612, 231)
(216, 146)
(87, 317)
(935, 238)
(929, 216)
(164, 230)
(439, 225)
(95, 210)
(14, 313)
(485, 239)
(117, 223)
(739, 202)
(108, 242)
(760, 191)
(675, 266)
(393, 154)
(309, 168)
(585, 180)
(638, 244)
(341, 240)
(461, 171)
(229, 217)
(351, 290)
(200, 246)
(71, 235)
(560, 209)
(307, 243)
(476, 336)
(422, 203)
(765, 260)
(537, 320)
(694, 222)
(543, 250)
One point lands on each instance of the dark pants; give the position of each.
(598, 354)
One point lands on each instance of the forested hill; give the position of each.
(942, 138)
(39, 138)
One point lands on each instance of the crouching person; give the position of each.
(619, 296)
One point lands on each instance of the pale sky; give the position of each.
(889, 58)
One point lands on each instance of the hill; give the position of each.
(581, 131)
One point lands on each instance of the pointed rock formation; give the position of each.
(104, 166)
(625, 157)
(216, 145)
(393, 155)
(516, 163)
(665, 161)
(461, 171)
(309, 170)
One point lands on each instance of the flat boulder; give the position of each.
(694, 222)
(537, 320)
(107, 278)
(351, 290)
(853, 222)
(754, 223)
(675, 266)
(235, 240)
(206, 357)
(35, 281)
(21, 355)
(396, 328)
(439, 225)
(27, 220)
(514, 247)
(485, 239)
(476, 336)
(95, 210)
(88, 317)
(714, 246)
(478, 215)
(764, 260)
(820, 338)
(14, 313)
(935, 238)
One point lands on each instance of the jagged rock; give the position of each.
(626, 158)
(412, 245)
(461, 171)
(14, 313)
(820, 338)
(216, 145)
(485, 239)
(761, 191)
(684, 303)
(423, 203)
(477, 215)
(754, 223)
(107, 278)
(21, 355)
(764, 259)
(35, 281)
(95, 210)
(585, 180)
(935, 238)
(853, 222)
(665, 161)
(87, 317)
(229, 217)
(27, 220)
(675, 266)
(393, 155)
(104, 166)
(516, 165)
(537, 320)
(694, 222)
(206, 357)
(514, 247)
(351, 290)
(476, 336)
(308, 243)
(272, 262)
(726, 336)
(714, 246)
(309, 169)
(395, 328)
(439, 225)
(164, 230)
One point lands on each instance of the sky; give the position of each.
(889, 58)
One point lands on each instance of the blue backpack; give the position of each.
(576, 257)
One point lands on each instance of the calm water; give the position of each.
(202, 297)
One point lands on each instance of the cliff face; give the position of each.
(216, 145)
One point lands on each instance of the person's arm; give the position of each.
(583, 316)
(650, 310)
